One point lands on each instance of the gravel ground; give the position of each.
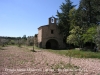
(22, 61)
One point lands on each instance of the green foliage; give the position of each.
(24, 37)
(87, 18)
(62, 65)
(12, 42)
(30, 41)
(77, 53)
(88, 12)
(89, 36)
(19, 42)
(72, 18)
(3, 42)
(97, 39)
(71, 39)
(63, 18)
(75, 36)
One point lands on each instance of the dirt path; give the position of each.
(22, 61)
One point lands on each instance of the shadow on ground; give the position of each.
(35, 50)
(2, 49)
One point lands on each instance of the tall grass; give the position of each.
(77, 53)
(74, 53)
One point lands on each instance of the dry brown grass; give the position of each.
(25, 62)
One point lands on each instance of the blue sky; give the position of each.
(23, 17)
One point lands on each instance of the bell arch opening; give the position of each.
(52, 44)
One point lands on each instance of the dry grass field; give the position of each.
(23, 61)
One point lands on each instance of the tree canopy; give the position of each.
(79, 25)
(63, 18)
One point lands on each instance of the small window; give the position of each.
(52, 31)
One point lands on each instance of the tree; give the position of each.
(24, 39)
(63, 18)
(90, 34)
(72, 18)
(30, 40)
(75, 36)
(12, 42)
(3, 42)
(19, 41)
(89, 12)
(97, 38)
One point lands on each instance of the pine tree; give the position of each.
(89, 12)
(88, 16)
(63, 18)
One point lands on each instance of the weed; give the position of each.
(21, 62)
(32, 61)
(47, 64)
(77, 53)
(61, 65)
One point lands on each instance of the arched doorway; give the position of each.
(52, 44)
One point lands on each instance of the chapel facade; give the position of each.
(48, 36)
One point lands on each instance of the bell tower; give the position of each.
(52, 20)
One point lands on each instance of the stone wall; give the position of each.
(48, 32)
(39, 37)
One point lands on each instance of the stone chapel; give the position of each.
(48, 36)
